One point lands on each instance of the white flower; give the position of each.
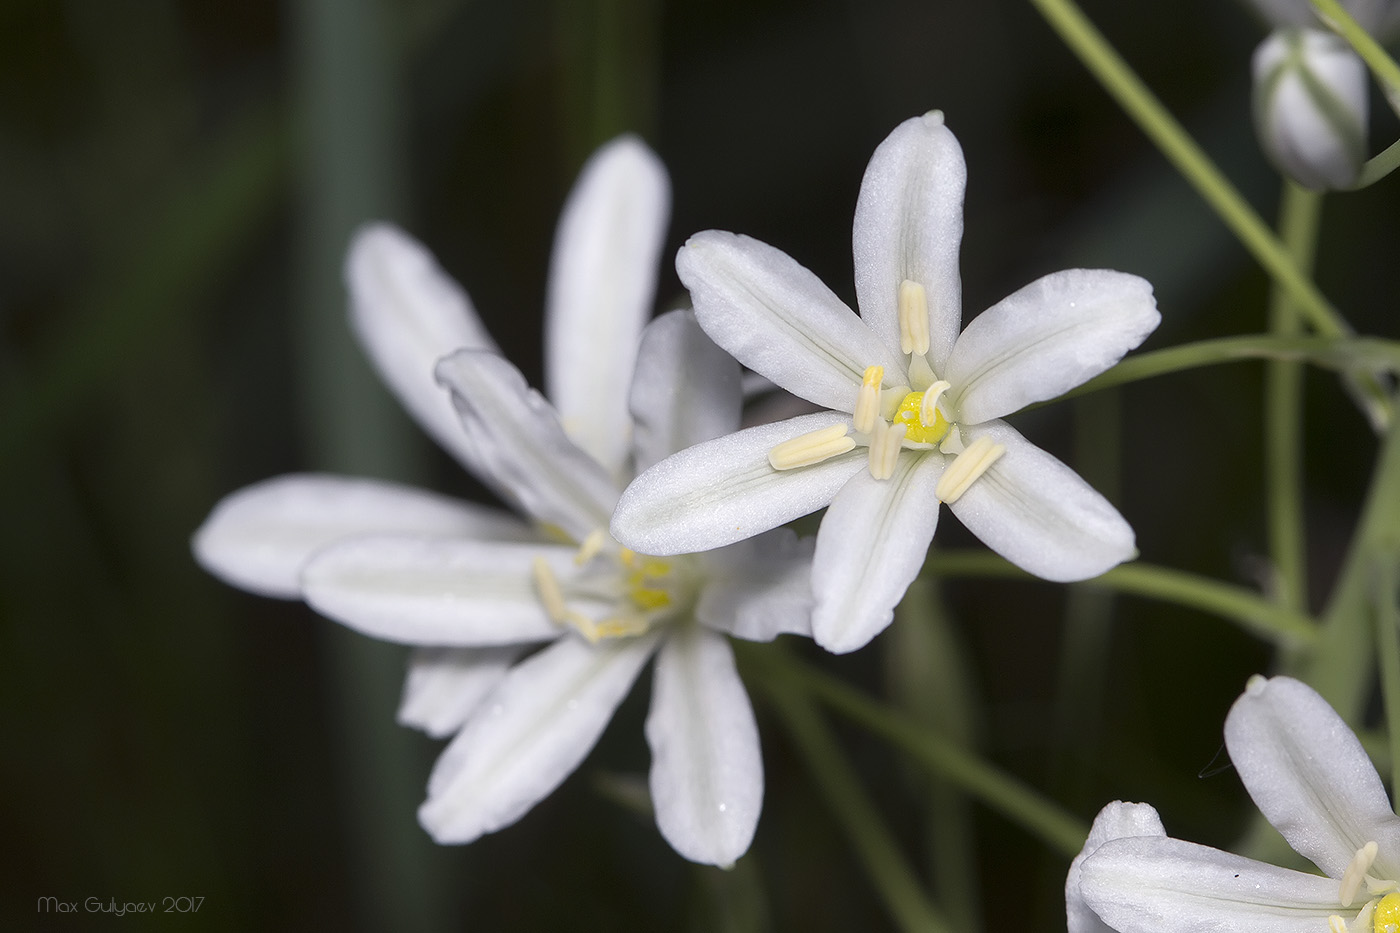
(914, 407)
(1310, 95)
(1312, 780)
(479, 588)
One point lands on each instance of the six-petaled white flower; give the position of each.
(479, 587)
(1312, 780)
(913, 406)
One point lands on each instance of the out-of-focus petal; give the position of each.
(1118, 820)
(686, 390)
(259, 537)
(445, 685)
(602, 281)
(528, 735)
(706, 766)
(1039, 514)
(760, 588)
(909, 225)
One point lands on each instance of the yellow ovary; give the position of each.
(1387, 916)
(908, 414)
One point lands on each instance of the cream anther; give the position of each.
(885, 442)
(913, 318)
(966, 468)
(868, 399)
(1355, 874)
(1336, 924)
(810, 448)
(552, 597)
(928, 408)
(591, 546)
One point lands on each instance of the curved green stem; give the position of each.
(1249, 610)
(1385, 69)
(1378, 166)
(837, 781)
(941, 757)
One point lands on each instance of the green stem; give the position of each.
(948, 760)
(1249, 610)
(837, 781)
(1385, 69)
(1386, 580)
(1283, 411)
(1379, 166)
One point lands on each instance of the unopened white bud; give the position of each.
(1310, 107)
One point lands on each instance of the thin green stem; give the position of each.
(1385, 69)
(946, 759)
(837, 781)
(1379, 166)
(1386, 579)
(1249, 610)
(1283, 411)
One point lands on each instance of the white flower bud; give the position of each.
(1310, 107)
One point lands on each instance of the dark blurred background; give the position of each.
(178, 181)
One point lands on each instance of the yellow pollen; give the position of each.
(810, 448)
(966, 468)
(910, 413)
(913, 318)
(885, 443)
(618, 626)
(868, 399)
(1387, 916)
(650, 597)
(1355, 874)
(591, 546)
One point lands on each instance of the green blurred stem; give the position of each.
(944, 758)
(1386, 579)
(837, 781)
(1385, 69)
(1244, 607)
(1283, 411)
(1379, 166)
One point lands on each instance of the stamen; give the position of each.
(591, 546)
(547, 584)
(1336, 924)
(928, 408)
(1355, 874)
(885, 442)
(913, 318)
(868, 400)
(966, 468)
(811, 448)
(619, 626)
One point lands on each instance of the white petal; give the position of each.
(1156, 884)
(1039, 514)
(408, 314)
(1118, 820)
(445, 685)
(706, 767)
(426, 591)
(909, 224)
(528, 735)
(870, 547)
(1310, 777)
(760, 588)
(778, 319)
(724, 490)
(686, 390)
(602, 279)
(518, 440)
(1047, 338)
(259, 537)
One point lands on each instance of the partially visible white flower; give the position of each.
(479, 588)
(1310, 777)
(1310, 91)
(913, 407)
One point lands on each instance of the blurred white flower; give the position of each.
(1310, 777)
(913, 406)
(479, 587)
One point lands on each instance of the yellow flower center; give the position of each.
(909, 414)
(639, 591)
(1387, 916)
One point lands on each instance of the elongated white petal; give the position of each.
(909, 224)
(445, 685)
(518, 439)
(870, 547)
(426, 591)
(706, 766)
(686, 390)
(1047, 338)
(408, 314)
(1118, 820)
(725, 490)
(259, 537)
(778, 319)
(1148, 884)
(760, 588)
(528, 735)
(1310, 777)
(602, 280)
(1039, 514)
